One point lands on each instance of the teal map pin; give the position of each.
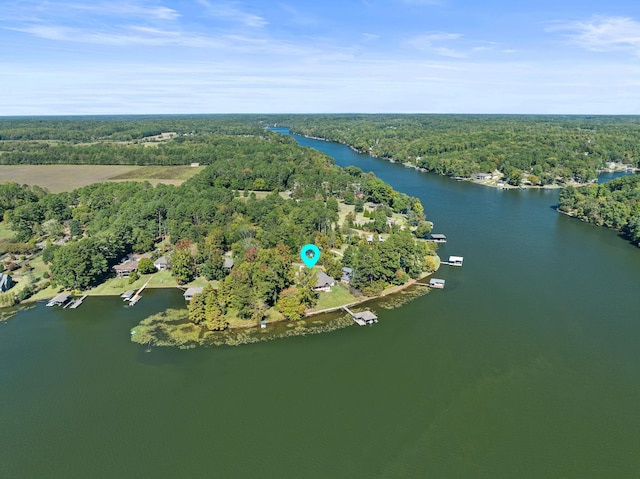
(310, 255)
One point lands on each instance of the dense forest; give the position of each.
(217, 212)
(538, 149)
(614, 204)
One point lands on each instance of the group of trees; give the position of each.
(614, 204)
(210, 214)
(547, 149)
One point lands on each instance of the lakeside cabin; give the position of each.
(191, 292)
(437, 238)
(124, 270)
(436, 283)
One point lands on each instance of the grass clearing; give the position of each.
(339, 296)
(142, 173)
(5, 232)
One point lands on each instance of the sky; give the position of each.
(331, 56)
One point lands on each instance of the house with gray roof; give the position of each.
(324, 282)
(6, 283)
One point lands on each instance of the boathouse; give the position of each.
(437, 238)
(365, 317)
(59, 300)
(436, 283)
(455, 260)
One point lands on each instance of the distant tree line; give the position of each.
(548, 149)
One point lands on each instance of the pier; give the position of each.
(363, 318)
(77, 302)
(138, 296)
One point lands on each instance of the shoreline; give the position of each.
(308, 314)
(493, 183)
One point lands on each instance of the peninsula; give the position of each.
(232, 227)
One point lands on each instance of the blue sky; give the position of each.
(371, 56)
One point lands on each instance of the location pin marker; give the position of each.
(310, 255)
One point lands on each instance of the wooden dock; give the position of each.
(138, 296)
(363, 318)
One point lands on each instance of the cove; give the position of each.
(526, 365)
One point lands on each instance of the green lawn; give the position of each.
(339, 296)
(5, 231)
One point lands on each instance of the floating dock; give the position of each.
(77, 302)
(363, 318)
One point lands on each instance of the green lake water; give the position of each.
(526, 365)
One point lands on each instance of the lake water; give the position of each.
(526, 365)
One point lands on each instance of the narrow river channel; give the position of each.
(526, 365)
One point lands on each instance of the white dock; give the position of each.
(77, 302)
(363, 318)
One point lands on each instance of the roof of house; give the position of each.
(61, 298)
(347, 270)
(366, 315)
(126, 266)
(161, 260)
(193, 290)
(228, 262)
(324, 280)
(5, 282)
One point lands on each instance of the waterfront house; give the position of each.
(190, 292)
(124, 270)
(482, 176)
(161, 264)
(6, 282)
(324, 282)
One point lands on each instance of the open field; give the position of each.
(159, 173)
(59, 178)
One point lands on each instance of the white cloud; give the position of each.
(436, 42)
(229, 11)
(603, 34)
(36, 10)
